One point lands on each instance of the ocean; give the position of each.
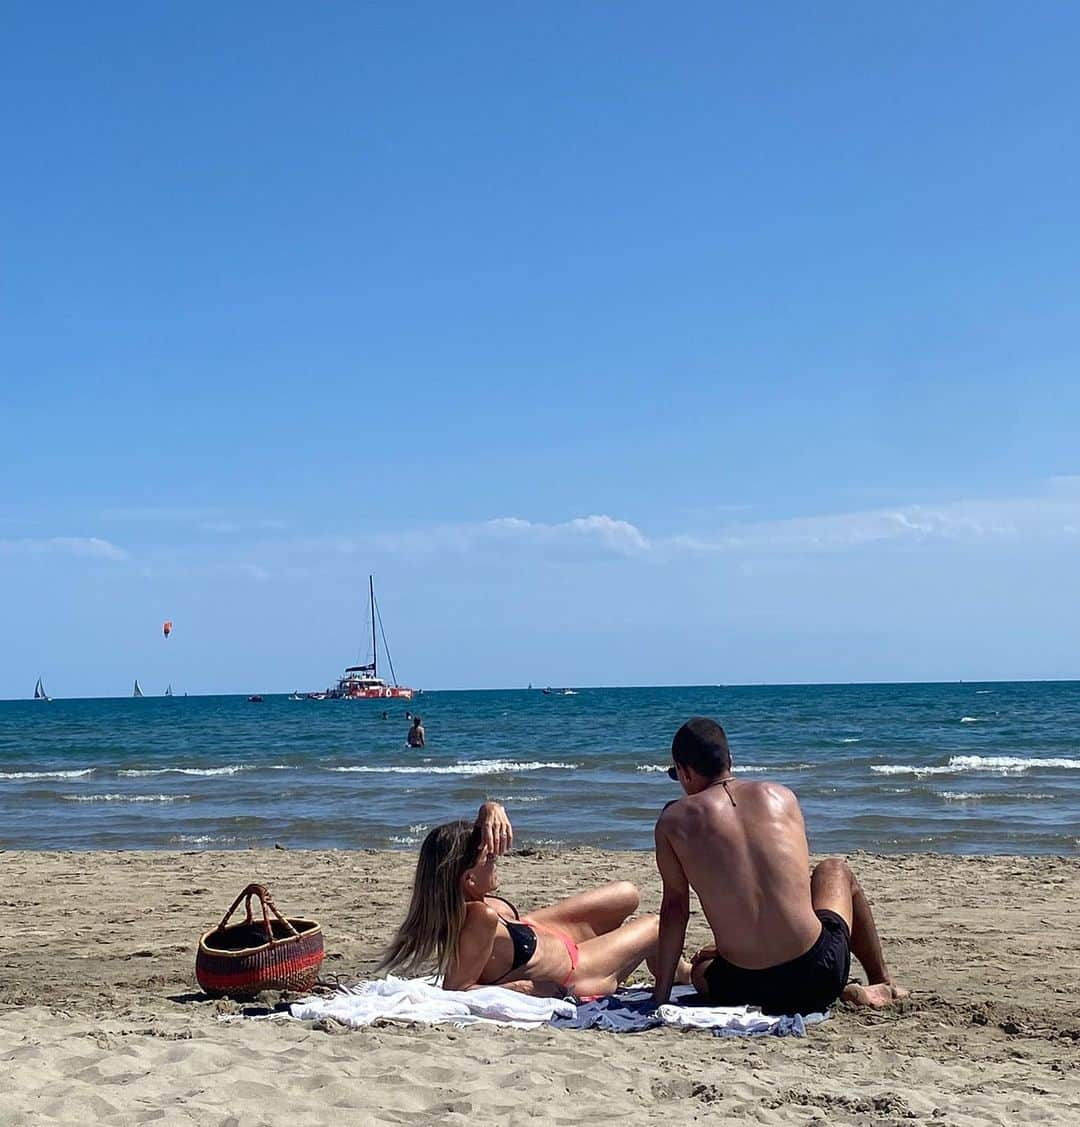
(952, 768)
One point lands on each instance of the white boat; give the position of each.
(137, 692)
(39, 691)
(168, 691)
(362, 682)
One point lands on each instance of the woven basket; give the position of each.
(242, 959)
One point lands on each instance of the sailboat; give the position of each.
(168, 691)
(39, 691)
(138, 692)
(362, 682)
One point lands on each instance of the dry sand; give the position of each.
(101, 1021)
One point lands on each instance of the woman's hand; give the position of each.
(497, 835)
(704, 955)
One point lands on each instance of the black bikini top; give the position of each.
(521, 935)
(524, 940)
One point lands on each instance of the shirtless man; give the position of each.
(781, 941)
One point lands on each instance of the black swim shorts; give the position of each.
(806, 985)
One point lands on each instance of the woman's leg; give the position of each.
(609, 959)
(590, 914)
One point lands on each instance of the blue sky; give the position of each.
(624, 345)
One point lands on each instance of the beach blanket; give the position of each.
(629, 1011)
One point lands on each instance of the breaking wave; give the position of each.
(126, 797)
(484, 767)
(139, 773)
(47, 774)
(986, 764)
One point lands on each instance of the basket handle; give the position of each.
(267, 903)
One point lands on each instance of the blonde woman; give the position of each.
(584, 945)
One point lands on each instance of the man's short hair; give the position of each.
(702, 744)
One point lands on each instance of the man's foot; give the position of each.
(877, 995)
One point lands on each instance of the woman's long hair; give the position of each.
(436, 913)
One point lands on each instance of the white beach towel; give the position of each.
(420, 1000)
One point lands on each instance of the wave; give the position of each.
(850, 739)
(134, 773)
(970, 719)
(966, 796)
(47, 774)
(738, 768)
(201, 839)
(125, 797)
(987, 764)
(484, 767)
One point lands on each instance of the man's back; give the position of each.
(742, 846)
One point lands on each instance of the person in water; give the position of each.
(415, 738)
(783, 938)
(584, 945)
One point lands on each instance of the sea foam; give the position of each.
(738, 768)
(208, 772)
(484, 767)
(126, 797)
(987, 764)
(47, 774)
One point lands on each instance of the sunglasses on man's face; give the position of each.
(673, 774)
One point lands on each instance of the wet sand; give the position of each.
(101, 1020)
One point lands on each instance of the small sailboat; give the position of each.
(39, 691)
(137, 691)
(168, 691)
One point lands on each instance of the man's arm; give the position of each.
(674, 914)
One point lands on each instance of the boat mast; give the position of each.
(374, 645)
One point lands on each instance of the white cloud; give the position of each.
(591, 535)
(1041, 518)
(88, 547)
(1055, 516)
(618, 536)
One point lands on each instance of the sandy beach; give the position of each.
(101, 1020)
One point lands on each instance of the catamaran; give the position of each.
(39, 691)
(138, 692)
(362, 682)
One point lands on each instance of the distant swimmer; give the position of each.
(408, 715)
(415, 738)
(386, 715)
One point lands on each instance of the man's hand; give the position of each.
(706, 954)
(497, 835)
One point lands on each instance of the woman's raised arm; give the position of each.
(498, 834)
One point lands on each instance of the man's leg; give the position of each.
(834, 887)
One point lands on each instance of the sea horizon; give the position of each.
(537, 687)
